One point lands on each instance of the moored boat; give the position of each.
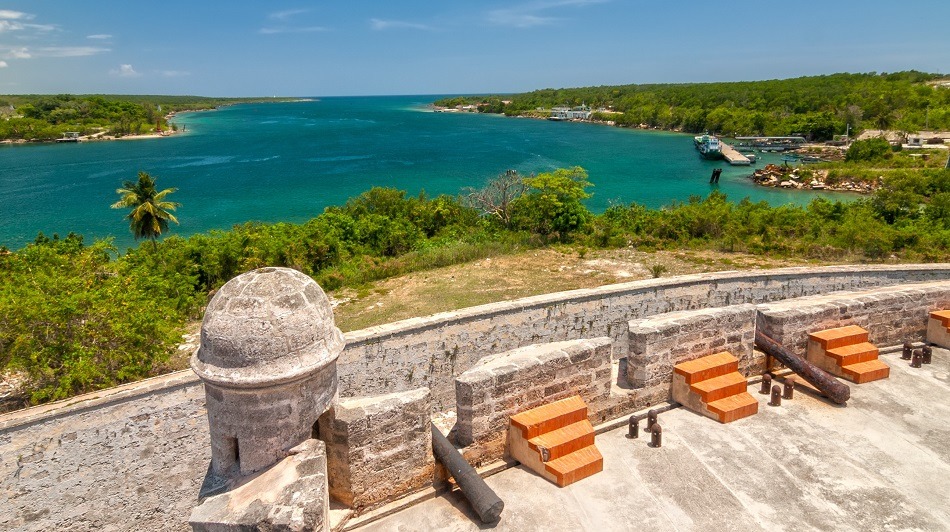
(709, 146)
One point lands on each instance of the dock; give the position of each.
(734, 157)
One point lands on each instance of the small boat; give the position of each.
(709, 146)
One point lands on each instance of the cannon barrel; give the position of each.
(835, 390)
(486, 504)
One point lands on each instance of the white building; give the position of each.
(570, 113)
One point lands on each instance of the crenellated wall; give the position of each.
(505, 384)
(431, 351)
(133, 457)
(891, 315)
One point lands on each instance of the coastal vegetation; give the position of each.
(817, 107)
(76, 317)
(48, 117)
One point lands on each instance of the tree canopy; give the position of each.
(814, 106)
(149, 211)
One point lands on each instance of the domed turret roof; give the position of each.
(267, 326)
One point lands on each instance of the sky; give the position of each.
(374, 47)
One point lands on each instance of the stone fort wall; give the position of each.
(432, 351)
(133, 457)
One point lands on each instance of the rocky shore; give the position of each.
(792, 177)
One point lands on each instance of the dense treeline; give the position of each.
(75, 318)
(43, 117)
(816, 106)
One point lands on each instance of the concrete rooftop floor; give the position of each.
(880, 463)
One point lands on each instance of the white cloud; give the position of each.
(14, 21)
(41, 27)
(3, 64)
(533, 14)
(286, 14)
(509, 17)
(69, 51)
(14, 15)
(18, 53)
(379, 24)
(99, 37)
(307, 29)
(6, 25)
(282, 18)
(125, 71)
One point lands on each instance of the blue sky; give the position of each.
(256, 48)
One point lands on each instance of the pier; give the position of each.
(772, 143)
(734, 157)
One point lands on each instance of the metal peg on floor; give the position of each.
(656, 432)
(651, 419)
(776, 396)
(928, 353)
(917, 359)
(766, 384)
(908, 351)
(633, 431)
(789, 391)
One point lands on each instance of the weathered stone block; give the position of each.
(891, 315)
(535, 375)
(380, 447)
(290, 496)
(660, 342)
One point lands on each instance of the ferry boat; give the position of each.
(709, 146)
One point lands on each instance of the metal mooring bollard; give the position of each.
(789, 391)
(633, 431)
(651, 418)
(928, 353)
(776, 396)
(766, 384)
(908, 350)
(918, 358)
(657, 435)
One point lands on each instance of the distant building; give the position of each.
(924, 138)
(570, 113)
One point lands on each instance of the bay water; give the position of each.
(287, 161)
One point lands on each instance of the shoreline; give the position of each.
(100, 137)
(770, 176)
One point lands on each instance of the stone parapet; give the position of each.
(128, 457)
(433, 350)
(658, 343)
(378, 447)
(891, 315)
(505, 384)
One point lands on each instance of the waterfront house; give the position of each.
(581, 112)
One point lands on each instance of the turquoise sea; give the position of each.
(287, 161)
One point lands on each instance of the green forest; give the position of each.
(46, 117)
(817, 107)
(78, 316)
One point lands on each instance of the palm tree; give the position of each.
(149, 214)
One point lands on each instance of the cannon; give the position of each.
(486, 503)
(835, 390)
